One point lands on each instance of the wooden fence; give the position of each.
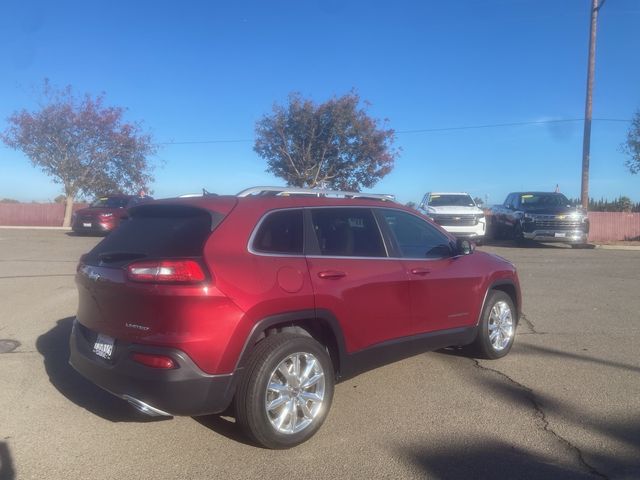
(612, 226)
(34, 214)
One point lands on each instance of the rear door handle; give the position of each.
(420, 271)
(332, 274)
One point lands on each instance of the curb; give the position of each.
(30, 227)
(619, 247)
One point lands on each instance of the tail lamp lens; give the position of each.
(153, 361)
(166, 271)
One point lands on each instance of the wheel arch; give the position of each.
(507, 286)
(319, 324)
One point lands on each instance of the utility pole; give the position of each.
(596, 5)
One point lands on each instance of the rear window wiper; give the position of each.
(119, 256)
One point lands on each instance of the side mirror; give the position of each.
(465, 247)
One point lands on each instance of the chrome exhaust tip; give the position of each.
(145, 407)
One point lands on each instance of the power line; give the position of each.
(197, 142)
(511, 124)
(419, 130)
(423, 130)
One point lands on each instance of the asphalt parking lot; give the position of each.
(564, 404)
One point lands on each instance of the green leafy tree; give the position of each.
(84, 145)
(632, 146)
(334, 144)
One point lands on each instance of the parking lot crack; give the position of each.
(529, 324)
(543, 421)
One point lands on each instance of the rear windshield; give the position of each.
(157, 231)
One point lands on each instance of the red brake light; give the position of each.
(154, 361)
(166, 271)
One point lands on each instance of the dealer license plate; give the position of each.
(560, 235)
(88, 225)
(103, 346)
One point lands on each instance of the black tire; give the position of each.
(251, 394)
(518, 236)
(482, 345)
(501, 232)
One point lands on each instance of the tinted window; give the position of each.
(532, 201)
(110, 202)
(508, 201)
(280, 232)
(450, 200)
(166, 231)
(137, 200)
(415, 237)
(350, 232)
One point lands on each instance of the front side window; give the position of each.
(347, 232)
(280, 232)
(415, 237)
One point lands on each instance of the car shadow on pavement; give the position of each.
(486, 459)
(7, 470)
(54, 348)
(223, 424)
(625, 431)
(528, 349)
(531, 244)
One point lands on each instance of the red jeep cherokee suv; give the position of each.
(104, 214)
(263, 300)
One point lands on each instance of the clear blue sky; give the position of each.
(199, 70)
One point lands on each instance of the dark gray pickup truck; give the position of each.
(540, 216)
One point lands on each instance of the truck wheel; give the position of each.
(496, 232)
(497, 328)
(518, 236)
(285, 392)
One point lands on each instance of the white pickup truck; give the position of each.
(457, 213)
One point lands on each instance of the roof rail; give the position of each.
(287, 191)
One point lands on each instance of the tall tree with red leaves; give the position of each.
(84, 145)
(334, 144)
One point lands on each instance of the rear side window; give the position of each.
(280, 232)
(350, 232)
(415, 237)
(157, 231)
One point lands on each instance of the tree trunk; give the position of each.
(68, 210)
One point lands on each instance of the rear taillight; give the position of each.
(166, 271)
(153, 361)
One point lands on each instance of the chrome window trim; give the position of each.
(296, 255)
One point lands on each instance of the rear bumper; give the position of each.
(185, 390)
(96, 227)
(572, 236)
